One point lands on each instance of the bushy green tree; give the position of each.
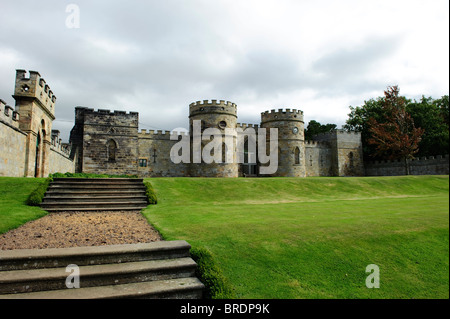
(429, 114)
(315, 128)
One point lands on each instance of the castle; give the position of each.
(109, 142)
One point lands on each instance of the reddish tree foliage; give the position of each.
(397, 137)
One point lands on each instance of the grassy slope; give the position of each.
(13, 194)
(314, 237)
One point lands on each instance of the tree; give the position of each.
(358, 121)
(315, 128)
(432, 116)
(396, 137)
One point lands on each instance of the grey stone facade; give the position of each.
(148, 153)
(109, 142)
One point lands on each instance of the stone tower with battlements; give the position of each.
(291, 140)
(219, 115)
(35, 103)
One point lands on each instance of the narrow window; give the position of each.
(112, 149)
(297, 155)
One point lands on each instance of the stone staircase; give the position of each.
(95, 194)
(149, 270)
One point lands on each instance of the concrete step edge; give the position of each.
(171, 288)
(21, 281)
(33, 258)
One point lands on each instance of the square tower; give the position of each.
(35, 103)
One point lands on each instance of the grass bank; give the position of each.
(14, 211)
(314, 237)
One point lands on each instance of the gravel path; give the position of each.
(75, 229)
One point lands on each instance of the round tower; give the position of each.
(291, 140)
(217, 115)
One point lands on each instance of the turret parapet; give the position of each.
(213, 106)
(213, 103)
(282, 115)
(34, 87)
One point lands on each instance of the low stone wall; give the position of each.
(433, 165)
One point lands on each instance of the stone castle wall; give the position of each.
(109, 142)
(318, 159)
(60, 160)
(12, 141)
(433, 165)
(154, 155)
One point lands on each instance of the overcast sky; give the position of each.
(156, 57)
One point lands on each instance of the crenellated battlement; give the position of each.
(213, 103)
(282, 115)
(9, 115)
(34, 87)
(159, 134)
(245, 125)
(415, 159)
(213, 106)
(82, 109)
(58, 146)
(316, 144)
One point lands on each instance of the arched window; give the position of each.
(112, 149)
(297, 155)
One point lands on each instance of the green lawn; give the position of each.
(314, 237)
(13, 194)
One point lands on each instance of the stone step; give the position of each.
(105, 205)
(95, 209)
(82, 192)
(70, 180)
(94, 198)
(22, 259)
(182, 288)
(96, 186)
(23, 281)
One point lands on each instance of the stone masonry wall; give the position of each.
(433, 165)
(59, 157)
(110, 142)
(318, 159)
(12, 142)
(154, 156)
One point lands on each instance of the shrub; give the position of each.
(210, 275)
(150, 193)
(36, 196)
